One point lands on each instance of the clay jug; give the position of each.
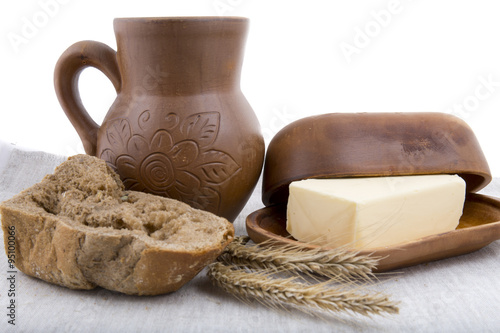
(180, 126)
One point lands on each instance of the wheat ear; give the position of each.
(333, 263)
(272, 291)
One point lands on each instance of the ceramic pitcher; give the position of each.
(180, 126)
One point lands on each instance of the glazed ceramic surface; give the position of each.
(180, 126)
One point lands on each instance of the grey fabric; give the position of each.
(460, 294)
(23, 169)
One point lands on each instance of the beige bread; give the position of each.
(80, 229)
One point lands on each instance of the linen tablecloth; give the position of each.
(460, 294)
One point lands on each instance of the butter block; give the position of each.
(365, 213)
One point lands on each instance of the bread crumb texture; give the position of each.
(80, 228)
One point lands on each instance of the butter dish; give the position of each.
(478, 227)
(339, 145)
(352, 145)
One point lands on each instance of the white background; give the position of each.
(410, 56)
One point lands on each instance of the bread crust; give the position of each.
(53, 245)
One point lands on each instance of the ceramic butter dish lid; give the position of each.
(369, 145)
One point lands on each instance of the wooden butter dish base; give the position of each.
(478, 227)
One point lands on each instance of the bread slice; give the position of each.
(80, 229)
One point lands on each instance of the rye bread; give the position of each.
(80, 228)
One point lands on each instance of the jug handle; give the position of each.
(67, 71)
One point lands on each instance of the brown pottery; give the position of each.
(478, 227)
(180, 126)
(340, 145)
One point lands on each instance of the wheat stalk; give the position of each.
(333, 263)
(286, 291)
